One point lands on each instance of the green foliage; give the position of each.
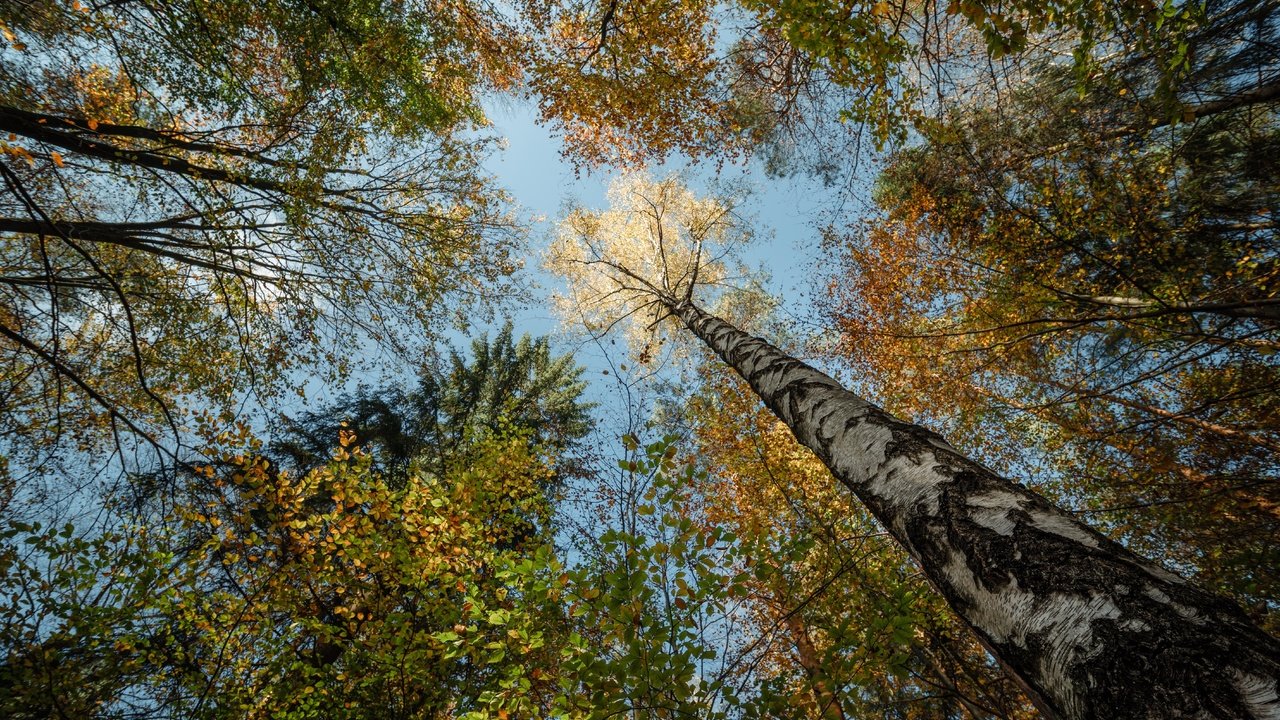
(654, 606)
(77, 617)
(505, 384)
(201, 200)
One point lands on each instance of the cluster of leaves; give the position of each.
(656, 603)
(333, 592)
(75, 610)
(625, 81)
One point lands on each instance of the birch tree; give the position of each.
(1108, 295)
(1090, 629)
(881, 644)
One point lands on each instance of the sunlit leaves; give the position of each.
(333, 590)
(656, 245)
(625, 81)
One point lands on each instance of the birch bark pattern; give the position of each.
(1092, 630)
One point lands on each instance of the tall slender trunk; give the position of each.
(1090, 629)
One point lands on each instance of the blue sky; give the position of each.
(541, 182)
(786, 213)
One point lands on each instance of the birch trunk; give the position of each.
(1090, 629)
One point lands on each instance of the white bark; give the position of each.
(1090, 629)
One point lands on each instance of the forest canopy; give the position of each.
(283, 433)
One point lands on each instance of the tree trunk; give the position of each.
(811, 662)
(1090, 629)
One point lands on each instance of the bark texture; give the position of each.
(1092, 630)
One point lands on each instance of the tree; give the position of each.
(403, 538)
(626, 82)
(1091, 629)
(199, 200)
(505, 384)
(350, 568)
(849, 621)
(1108, 294)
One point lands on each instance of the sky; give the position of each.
(543, 185)
(785, 214)
(784, 211)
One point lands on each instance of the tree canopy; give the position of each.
(1106, 296)
(186, 187)
(1045, 232)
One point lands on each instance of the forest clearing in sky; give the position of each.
(272, 446)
